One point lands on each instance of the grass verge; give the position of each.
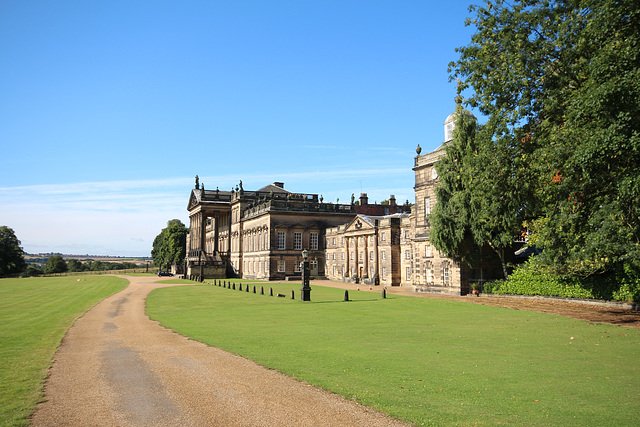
(426, 361)
(35, 313)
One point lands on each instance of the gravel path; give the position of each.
(116, 367)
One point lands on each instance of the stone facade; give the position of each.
(261, 234)
(258, 234)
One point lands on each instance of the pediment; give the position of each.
(359, 223)
(194, 200)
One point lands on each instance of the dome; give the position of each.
(449, 124)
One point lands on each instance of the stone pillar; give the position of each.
(216, 232)
(347, 255)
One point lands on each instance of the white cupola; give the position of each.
(449, 124)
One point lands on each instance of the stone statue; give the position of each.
(241, 189)
(197, 182)
(353, 198)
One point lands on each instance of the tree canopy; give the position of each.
(559, 82)
(55, 264)
(11, 253)
(169, 247)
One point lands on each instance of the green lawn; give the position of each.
(35, 313)
(426, 361)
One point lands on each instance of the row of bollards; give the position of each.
(232, 285)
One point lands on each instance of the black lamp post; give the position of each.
(305, 292)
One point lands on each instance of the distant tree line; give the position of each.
(12, 261)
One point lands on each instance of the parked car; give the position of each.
(164, 273)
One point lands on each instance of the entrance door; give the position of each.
(361, 272)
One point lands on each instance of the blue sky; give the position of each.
(109, 109)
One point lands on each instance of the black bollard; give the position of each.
(247, 288)
(270, 292)
(234, 286)
(254, 289)
(261, 290)
(384, 293)
(346, 295)
(240, 286)
(293, 296)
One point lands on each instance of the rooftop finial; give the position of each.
(197, 182)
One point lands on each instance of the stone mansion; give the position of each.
(260, 234)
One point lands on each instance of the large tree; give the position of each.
(169, 247)
(11, 253)
(55, 264)
(560, 84)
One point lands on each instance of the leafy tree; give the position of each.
(74, 265)
(32, 270)
(11, 253)
(560, 84)
(169, 247)
(55, 264)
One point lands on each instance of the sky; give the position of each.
(109, 109)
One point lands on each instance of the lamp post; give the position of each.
(305, 292)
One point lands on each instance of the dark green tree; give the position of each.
(74, 265)
(11, 253)
(560, 84)
(55, 264)
(169, 247)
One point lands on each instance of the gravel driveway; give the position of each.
(116, 367)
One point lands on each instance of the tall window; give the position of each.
(408, 273)
(313, 265)
(371, 255)
(446, 277)
(313, 242)
(297, 241)
(343, 256)
(266, 240)
(384, 237)
(384, 254)
(384, 273)
(281, 266)
(407, 254)
(429, 272)
(427, 206)
(298, 267)
(427, 251)
(361, 255)
(281, 240)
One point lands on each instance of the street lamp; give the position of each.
(305, 292)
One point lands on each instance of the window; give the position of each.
(429, 272)
(407, 254)
(334, 241)
(343, 240)
(281, 266)
(281, 240)
(297, 241)
(313, 265)
(383, 237)
(266, 267)
(372, 272)
(343, 256)
(406, 234)
(266, 241)
(408, 273)
(384, 273)
(427, 251)
(384, 254)
(334, 270)
(298, 267)
(334, 256)
(446, 278)
(352, 255)
(371, 255)
(314, 241)
(361, 255)
(427, 206)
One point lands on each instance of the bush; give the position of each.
(531, 278)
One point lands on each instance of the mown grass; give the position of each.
(426, 361)
(35, 313)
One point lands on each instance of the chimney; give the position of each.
(279, 184)
(364, 200)
(392, 200)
